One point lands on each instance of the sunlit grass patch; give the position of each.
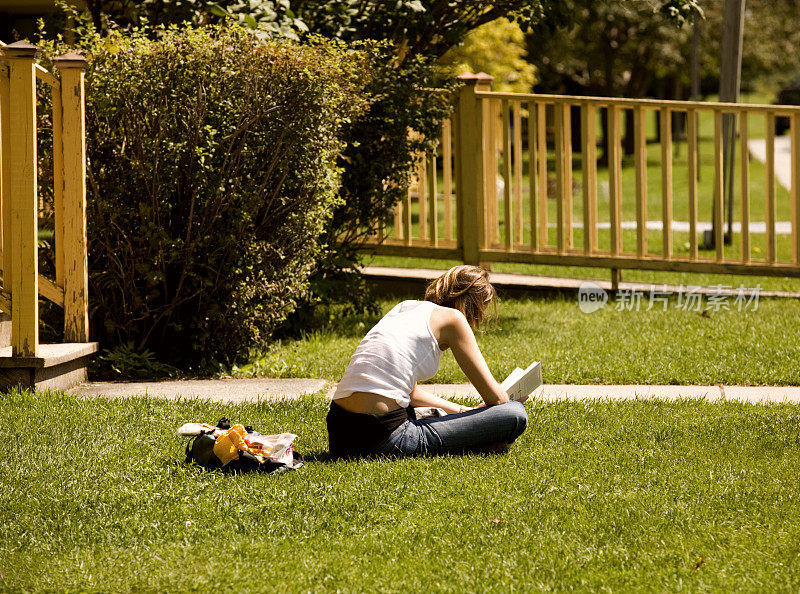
(636, 495)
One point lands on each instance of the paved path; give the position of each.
(254, 390)
(511, 284)
(783, 157)
(558, 392)
(225, 390)
(781, 227)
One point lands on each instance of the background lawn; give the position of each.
(675, 346)
(594, 496)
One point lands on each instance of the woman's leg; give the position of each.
(458, 433)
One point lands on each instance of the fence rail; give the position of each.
(19, 194)
(522, 181)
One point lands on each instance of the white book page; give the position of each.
(512, 378)
(521, 383)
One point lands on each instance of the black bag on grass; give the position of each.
(200, 450)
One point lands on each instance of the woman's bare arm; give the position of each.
(454, 333)
(420, 397)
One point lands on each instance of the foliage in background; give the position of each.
(612, 48)
(633, 49)
(769, 49)
(499, 49)
(381, 144)
(212, 175)
(266, 17)
(127, 361)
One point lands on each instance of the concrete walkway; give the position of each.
(559, 392)
(783, 157)
(781, 227)
(254, 390)
(391, 280)
(225, 390)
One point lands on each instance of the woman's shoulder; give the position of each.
(411, 304)
(446, 316)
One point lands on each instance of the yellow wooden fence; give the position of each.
(22, 283)
(495, 140)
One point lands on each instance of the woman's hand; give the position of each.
(451, 329)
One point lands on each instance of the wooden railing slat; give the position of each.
(532, 176)
(640, 166)
(719, 190)
(541, 141)
(398, 221)
(560, 177)
(516, 108)
(407, 218)
(447, 178)
(795, 193)
(567, 164)
(592, 140)
(58, 185)
(5, 177)
(508, 211)
(744, 181)
(665, 133)
(589, 173)
(422, 201)
(615, 179)
(770, 187)
(568, 175)
(433, 210)
(491, 173)
(691, 156)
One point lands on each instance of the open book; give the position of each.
(521, 383)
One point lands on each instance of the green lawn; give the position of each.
(634, 496)
(675, 346)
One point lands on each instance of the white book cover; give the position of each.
(521, 383)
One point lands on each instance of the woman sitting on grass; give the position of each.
(373, 407)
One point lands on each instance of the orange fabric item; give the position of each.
(230, 443)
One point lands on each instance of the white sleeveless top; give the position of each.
(399, 351)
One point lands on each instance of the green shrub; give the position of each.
(212, 175)
(377, 162)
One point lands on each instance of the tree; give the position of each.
(613, 48)
(380, 149)
(497, 48)
(769, 51)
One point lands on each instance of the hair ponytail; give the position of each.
(465, 288)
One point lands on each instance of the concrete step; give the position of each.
(57, 366)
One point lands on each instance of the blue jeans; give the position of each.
(457, 433)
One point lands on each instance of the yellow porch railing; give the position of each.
(510, 192)
(22, 283)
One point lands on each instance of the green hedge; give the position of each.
(212, 175)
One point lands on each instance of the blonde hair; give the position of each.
(465, 288)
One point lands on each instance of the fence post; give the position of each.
(21, 156)
(5, 176)
(470, 154)
(76, 271)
